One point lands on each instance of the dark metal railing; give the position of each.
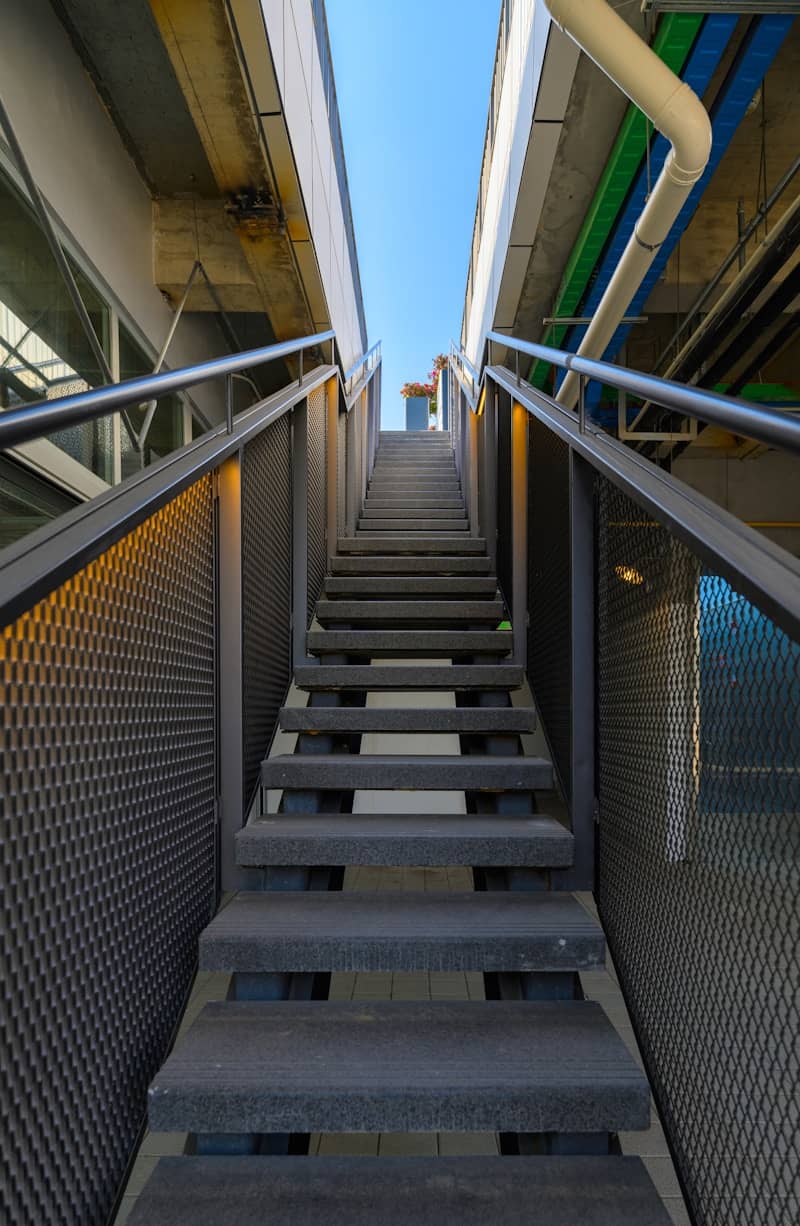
(733, 414)
(149, 637)
(34, 420)
(662, 641)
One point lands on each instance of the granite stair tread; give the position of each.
(314, 931)
(410, 642)
(490, 611)
(486, 720)
(410, 565)
(416, 772)
(431, 585)
(381, 677)
(463, 1191)
(413, 544)
(393, 1066)
(429, 839)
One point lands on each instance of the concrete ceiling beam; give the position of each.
(205, 53)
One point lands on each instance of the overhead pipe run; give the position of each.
(674, 110)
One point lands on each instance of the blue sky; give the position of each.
(412, 80)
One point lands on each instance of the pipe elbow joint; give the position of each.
(684, 120)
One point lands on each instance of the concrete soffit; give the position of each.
(559, 66)
(254, 239)
(576, 119)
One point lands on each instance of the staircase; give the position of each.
(408, 646)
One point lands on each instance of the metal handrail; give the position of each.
(348, 374)
(465, 362)
(764, 572)
(731, 413)
(32, 566)
(23, 425)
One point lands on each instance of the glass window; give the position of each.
(165, 432)
(26, 502)
(44, 351)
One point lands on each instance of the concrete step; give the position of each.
(474, 565)
(400, 1066)
(381, 839)
(314, 931)
(404, 643)
(412, 468)
(436, 523)
(401, 503)
(421, 611)
(488, 720)
(414, 485)
(388, 463)
(410, 585)
(403, 491)
(415, 477)
(416, 772)
(416, 677)
(398, 1191)
(412, 513)
(457, 545)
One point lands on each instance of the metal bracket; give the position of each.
(649, 436)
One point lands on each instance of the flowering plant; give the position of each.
(428, 390)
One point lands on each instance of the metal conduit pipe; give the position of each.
(674, 110)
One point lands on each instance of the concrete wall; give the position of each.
(290, 29)
(762, 490)
(90, 182)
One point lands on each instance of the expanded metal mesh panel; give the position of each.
(504, 542)
(108, 854)
(341, 473)
(317, 486)
(480, 461)
(699, 877)
(266, 589)
(549, 592)
(356, 414)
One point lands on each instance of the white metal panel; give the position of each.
(272, 11)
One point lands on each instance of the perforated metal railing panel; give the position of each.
(549, 592)
(504, 537)
(266, 589)
(480, 461)
(341, 473)
(108, 854)
(317, 484)
(699, 864)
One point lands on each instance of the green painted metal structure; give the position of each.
(672, 43)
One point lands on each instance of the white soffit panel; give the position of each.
(508, 296)
(539, 159)
(255, 47)
(558, 71)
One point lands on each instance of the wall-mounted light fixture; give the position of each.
(629, 574)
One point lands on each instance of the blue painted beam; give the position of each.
(755, 58)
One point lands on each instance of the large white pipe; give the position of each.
(674, 110)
